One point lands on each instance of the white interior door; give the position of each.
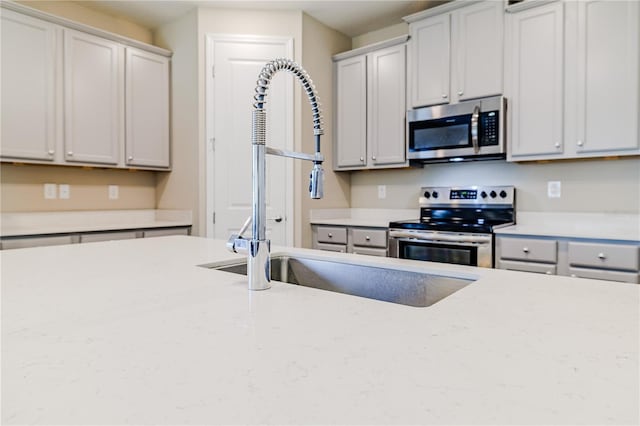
(233, 66)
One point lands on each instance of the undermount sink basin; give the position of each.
(391, 285)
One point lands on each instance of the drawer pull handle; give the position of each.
(525, 249)
(602, 256)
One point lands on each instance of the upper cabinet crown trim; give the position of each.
(438, 10)
(370, 48)
(84, 28)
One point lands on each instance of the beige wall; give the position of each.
(21, 186)
(179, 189)
(606, 186)
(319, 43)
(380, 35)
(77, 12)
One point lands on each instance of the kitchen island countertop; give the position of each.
(134, 332)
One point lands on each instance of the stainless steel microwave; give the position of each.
(471, 130)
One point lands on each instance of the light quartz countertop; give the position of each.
(134, 332)
(38, 223)
(608, 226)
(374, 218)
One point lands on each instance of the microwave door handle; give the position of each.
(474, 128)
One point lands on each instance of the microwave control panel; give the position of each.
(489, 128)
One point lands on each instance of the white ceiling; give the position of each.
(351, 17)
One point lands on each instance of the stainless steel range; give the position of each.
(456, 225)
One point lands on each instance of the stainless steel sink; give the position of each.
(390, 285)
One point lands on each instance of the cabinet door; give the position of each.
(534, 65)
(147, 109)
(351, 112)
(28, 111)
(478, 50)
(386, 106)
(92, 98)
(429, 69)
(608, 74)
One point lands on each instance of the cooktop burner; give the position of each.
(463, 209)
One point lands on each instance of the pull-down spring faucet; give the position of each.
(257, 248)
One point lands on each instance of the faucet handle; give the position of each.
(237, 244)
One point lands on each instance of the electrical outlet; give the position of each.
(64, 191)
(554, 189)
(382, 191)
(50, 191)
(114, 192)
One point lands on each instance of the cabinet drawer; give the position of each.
(603, 274)
(107, 236)
(331, 247)
(382, 252)
(164, 232)
(605, 256)
(538, 268)
(370, 237)
(330, 234)
(36, 242)
(529, 249)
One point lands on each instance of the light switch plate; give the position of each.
(64, 191)
(554, 189)
(50, 191)
(382, 191)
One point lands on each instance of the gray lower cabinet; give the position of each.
(597, 259)
(350, 239)
(26, 241)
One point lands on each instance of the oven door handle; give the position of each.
(435, 237)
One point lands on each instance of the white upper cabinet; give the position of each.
(477, 46)
(386, 106)
(28, 111)
(429, 61)
(456, 55)
(147, 109)
(572, 79)
(93, 109)
(534, 70)
(64, 97)
(351, 112)
(370, 108)
(607, 77)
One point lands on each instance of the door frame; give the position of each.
(210, 41)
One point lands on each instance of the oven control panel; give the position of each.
(467, 196)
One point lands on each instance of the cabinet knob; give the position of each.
(70, 153)
(130, 158)
(362, 159)
(51, 152)
(557, 144)
(548, 272)
(573, 275)
(373, 158)
(580, 143)
(602, 256)
(460, 92)
(525, 249)
(444, 96)
(367, 238)
(330, 235)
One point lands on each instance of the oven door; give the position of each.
(477, 250)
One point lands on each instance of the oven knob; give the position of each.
(435, 194)
(426, 194)
(493, 194)
(503, 194)
(483, 194)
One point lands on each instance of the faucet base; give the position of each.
(259, 265)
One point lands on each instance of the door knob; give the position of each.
(277, 218)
